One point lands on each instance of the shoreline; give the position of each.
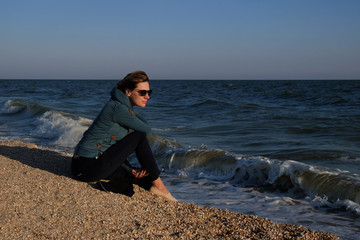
(40, 200)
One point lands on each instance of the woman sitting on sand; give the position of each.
(116, 133)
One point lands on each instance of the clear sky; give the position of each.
(184, 39)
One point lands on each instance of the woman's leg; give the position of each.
(112, 159)
(148, 163)
(146, 157)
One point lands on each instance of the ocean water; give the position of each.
(284, 150)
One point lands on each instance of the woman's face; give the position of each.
(135, 95)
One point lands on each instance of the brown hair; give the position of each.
(131, 80)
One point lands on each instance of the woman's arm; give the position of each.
(128, 119)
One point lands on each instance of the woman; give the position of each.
(116, 133)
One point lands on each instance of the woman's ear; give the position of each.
(128, 92)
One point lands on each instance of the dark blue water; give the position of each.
(286, 150)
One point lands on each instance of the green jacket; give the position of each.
(113, 123)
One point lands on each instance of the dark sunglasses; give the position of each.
(144, 92)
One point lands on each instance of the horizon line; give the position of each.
(179, 79)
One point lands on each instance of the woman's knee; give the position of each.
(140, 134)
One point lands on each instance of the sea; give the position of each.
(284, 150)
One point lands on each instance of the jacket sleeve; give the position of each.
(128, 119)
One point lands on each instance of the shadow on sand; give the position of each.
(39, 158)
(59, 164)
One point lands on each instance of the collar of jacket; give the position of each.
(118, 95)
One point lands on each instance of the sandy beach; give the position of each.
(40, 200)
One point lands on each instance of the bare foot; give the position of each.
(158, 183)
(159, 189)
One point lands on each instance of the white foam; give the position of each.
(62, 130)
(323, 200)
(12, 106)
(168, 129)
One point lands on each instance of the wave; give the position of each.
(211, 103)
(176, 128)
(22, 107)
(62, 129)
(291, 177)
(49, 127)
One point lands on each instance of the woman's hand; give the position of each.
(139, 173)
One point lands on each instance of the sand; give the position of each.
(40, 200)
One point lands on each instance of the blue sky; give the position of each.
(185, 39)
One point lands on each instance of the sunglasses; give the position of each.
(144, 92)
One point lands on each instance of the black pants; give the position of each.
(108, 165)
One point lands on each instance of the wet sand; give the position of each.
(40, 200)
